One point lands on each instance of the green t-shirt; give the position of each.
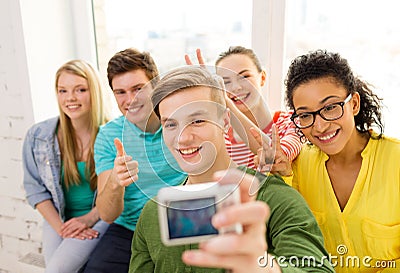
(292, 231)
(78, 198)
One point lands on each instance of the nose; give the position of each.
(185, 136)
(130, 97)
(320, 124)
(71, 96)
(234, 86)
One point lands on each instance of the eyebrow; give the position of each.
(132, 87)
(163, 119)
(76, 86)
(195, 114)
(321, 102)
(198, 113)
(240, 73)
(243, 71)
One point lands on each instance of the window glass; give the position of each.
(366, 33)
(169, 29)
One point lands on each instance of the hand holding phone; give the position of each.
(185, 212)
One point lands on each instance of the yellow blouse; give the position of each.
(367, 232)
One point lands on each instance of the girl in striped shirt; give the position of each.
(244, 77)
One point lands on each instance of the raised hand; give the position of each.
(270, 156)
(126, 169)
(199, 58)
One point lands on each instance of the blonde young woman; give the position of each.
(59, 177)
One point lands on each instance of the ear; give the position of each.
(356, 101)
(263, 78)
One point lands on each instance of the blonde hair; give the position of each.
(185, 77)
(98, 116)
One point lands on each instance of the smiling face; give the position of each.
(132, 91)
(193, 130)
(242, 80)
(330, 136)
(73, 96)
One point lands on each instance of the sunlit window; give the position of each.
(169, 29)
(366, 33)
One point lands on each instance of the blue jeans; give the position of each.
(68, 255)
(113, 253)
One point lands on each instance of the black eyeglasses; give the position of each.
(329, 112)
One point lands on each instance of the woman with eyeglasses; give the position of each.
(349, 174)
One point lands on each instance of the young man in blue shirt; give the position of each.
(131, 76)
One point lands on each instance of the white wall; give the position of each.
(36, 37)
(54, 32)
(19, 228)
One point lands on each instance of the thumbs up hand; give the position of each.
(125, 168)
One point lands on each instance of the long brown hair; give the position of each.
(68, 139)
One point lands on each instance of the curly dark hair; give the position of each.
(132, 59)
(321, 64)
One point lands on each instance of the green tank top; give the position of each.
(78, 198)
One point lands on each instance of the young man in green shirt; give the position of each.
(276, 220)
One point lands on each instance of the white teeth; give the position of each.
(188, 151)
(134, 109)
(324, 138)
(72, 106)
(239, 97)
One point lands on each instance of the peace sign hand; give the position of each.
(199, 58)
(270, 156)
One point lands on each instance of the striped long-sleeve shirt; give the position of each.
(290, 141)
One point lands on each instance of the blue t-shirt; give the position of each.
(157, 166)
